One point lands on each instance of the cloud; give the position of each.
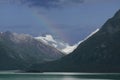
(50, 3)
(43, 3)
(46, 39)
(9, 1)
(69, 49)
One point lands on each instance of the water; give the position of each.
(59, 76)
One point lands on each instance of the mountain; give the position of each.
(18, 51)
(98, 53)
(57, 43)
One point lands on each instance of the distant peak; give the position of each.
(57, 43)
(8, 32)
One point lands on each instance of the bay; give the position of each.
(58, 76)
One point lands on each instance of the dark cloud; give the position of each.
(9, 1)
(50, 3)
(43, 3)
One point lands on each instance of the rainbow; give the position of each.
(51, 26)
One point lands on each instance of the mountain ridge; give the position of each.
(98, 53)
(22, 50)
(57, 43)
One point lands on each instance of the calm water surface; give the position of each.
(59, 76)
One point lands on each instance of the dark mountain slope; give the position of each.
(99, 53)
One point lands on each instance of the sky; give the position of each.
(70, 20)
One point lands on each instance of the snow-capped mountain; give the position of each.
(18, 51)
(98, 53)
(57, 43)
(61, 45)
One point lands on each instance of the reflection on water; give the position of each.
(58, 76)
(47, 78)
